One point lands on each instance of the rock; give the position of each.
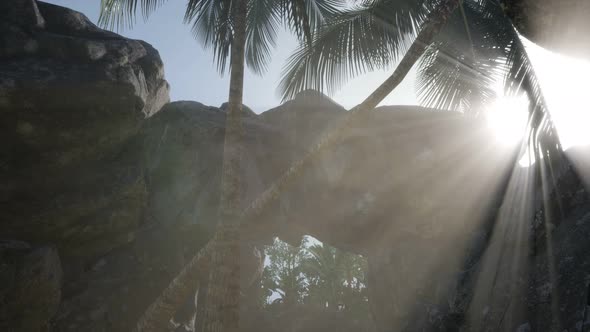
(71, 98)
(526, 327)
(23, 13)
(30, 288)
(245, 109)
(566, 255)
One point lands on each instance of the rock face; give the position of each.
(71, 95)
(558, 295)
(72, 99)
(30, 290)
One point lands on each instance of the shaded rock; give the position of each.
(30, 288)
(70, 103)
(245, 109)
(23, 13)
(111, 292)
(557, 296)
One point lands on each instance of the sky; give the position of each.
(192, 74)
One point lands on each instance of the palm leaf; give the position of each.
(456, 74)
(120, 14)
(369, 36)
(263, 22)
(211, 22)
(459, 76)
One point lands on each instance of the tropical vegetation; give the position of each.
(317, 278)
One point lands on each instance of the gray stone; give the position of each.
(68, 113)
(24, 13)
(30, 291)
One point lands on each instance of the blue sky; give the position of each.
(193, 76)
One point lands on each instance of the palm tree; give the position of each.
(242, 31)
(334, 276)
(460, 55)
(325, 271)
(457, 65)
(121, 12)
(378, 43)
(284, 274)
(373, 36)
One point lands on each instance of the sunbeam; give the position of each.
(564, 83)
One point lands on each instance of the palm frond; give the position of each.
(458, 71)
(521, 78)
(263, 22)
(211, 22)
(304, 16)
(364, 38)
(121, 14)
(265, 18)
(450, 80)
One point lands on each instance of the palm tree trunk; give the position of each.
(157, 316)
(224, 287)
(221, 313)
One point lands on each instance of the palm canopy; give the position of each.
(333, 273)
(212, 23)
(369, 35)
(460, 70)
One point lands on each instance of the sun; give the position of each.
(507, 119)
(564, 82)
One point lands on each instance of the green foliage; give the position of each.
(337, 279)
(284, 274)
(316, 276)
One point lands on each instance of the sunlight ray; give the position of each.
(564, 83)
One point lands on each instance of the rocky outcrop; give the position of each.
(558, 296)
(72, 99)
(71, 95)
(358, 196)
(30, 287)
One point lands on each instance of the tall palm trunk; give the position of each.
(223, 299)
(222, 304)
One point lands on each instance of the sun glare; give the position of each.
(565, 83)
(507, 118)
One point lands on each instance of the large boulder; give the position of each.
(183, 153)
(71, 96)
(356, 196)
